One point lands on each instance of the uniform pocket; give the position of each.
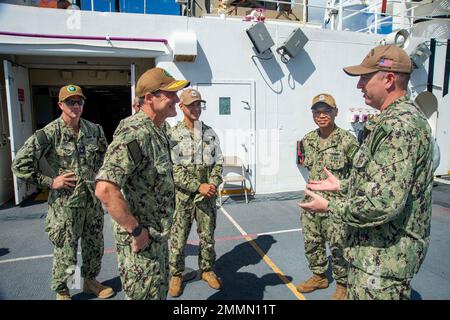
(91, 153)
(65, 155)
(164, 185)
(335, 161)
(56, 233)
(55, 227)
(91, 149)
(65, 150)
(152, 251)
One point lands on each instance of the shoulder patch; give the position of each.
(135, 151)
(42, 137)
(352, 150)
(99, 130)
(382, 132)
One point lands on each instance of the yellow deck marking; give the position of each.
(265, 257)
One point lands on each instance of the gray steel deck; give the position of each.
(273, 223)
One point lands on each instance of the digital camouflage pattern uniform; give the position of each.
(138, 161)
(318, 228)
(197, 159)
(388, 204)
(73, 213)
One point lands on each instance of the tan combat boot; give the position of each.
(63, 295)
(212, 279)
(175, 287)
(317, 281)
(92, 286)
(340, 293)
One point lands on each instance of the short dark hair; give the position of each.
(402, 80)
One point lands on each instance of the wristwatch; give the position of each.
(137, 230)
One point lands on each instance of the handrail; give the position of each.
(336, 12)
(58, 36)
(364, 10)
(342, 6)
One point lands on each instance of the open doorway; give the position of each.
(32, 98)
(105, 105)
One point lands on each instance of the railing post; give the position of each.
(305, 17)
(341, 15)
(376, 19)
(402, 21)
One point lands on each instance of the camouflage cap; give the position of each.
(382, 58)
(158, 79)
(189, 96)
(324, 98)
(69, 91)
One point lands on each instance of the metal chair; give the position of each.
(233, 171)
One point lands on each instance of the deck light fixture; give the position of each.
(260, 37)
(292, 46)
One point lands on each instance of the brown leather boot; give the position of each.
(212, 279)
(340, 293)
(63, 295)
(317, 281)
(94, 287)
(175, 287)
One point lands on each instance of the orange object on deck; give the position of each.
(48, 4)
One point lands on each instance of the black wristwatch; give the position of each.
(137, 230)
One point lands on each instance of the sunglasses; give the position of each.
(194, 105)
(327, 112)
(71, 103)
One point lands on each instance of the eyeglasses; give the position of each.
(71, 103)
(327, 112)
(195, 104)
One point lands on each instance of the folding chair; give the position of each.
(233, 171)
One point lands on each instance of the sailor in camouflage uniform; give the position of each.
(136, 186)
(387, 201)
(197, 159)
(74, 148)
(331, 147)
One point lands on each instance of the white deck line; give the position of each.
(26, 258)
(265, 257)
(442, 181)
(242, 231)
(280, 231)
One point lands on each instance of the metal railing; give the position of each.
(335, 13)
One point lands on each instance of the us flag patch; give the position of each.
(385, 63)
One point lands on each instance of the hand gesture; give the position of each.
(330, 184)
(64, 181)
(318, 203)
(207, 190)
